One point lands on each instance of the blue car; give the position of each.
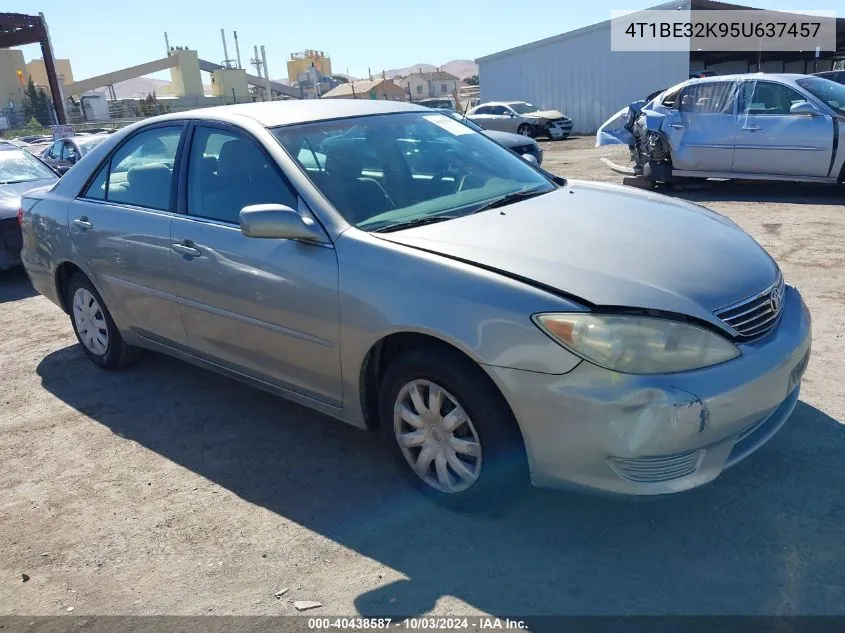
(749, 127)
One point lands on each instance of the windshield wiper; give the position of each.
(14, 182)
(510, 198)
(407, 224)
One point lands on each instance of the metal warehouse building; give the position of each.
(578, 73)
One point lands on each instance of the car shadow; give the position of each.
(745, 191)
(765, 538)
(15, 285)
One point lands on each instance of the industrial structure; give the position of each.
(578, 74)
(304, 61)
(18, 29)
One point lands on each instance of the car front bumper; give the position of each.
(652, 435)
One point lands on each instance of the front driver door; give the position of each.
(773, 141)
(702, 127)
(267, 308)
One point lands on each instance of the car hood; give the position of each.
(10, 195)
(610, 245)
(508, 139)
(544, 114)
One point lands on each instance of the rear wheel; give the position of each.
(94, 327)
(451, 430)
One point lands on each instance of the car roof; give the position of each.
(788, 78)
(274, 113)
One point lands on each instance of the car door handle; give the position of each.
(83, 223)
(677, 126)
(186, 248)
(751, 128)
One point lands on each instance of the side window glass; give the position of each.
(715, 97)
(227, 172)
(68, 150)
(55, 150)
(500, 110)
(141, 171)
(771, 98)
(97, 189)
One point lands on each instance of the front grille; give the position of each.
(755, 316)
(658, 468)
(524, 149)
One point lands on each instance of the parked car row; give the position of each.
(399, 270)
(750, 127)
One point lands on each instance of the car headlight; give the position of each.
(635, 344)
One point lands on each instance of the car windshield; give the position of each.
(87, 143)
(523, 108)
(390, 170)
(18, 165)
(832, 93)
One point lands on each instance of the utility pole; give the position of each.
(266, 74)
(237, 50)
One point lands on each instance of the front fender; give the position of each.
(387, 288)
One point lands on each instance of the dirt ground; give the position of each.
(165, 489)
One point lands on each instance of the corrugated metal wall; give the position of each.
(580, 76)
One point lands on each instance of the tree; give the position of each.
(36, 104)
(150, 106)
(471, 81)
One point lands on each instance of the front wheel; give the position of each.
(525, 130)
(94, 327)
(452, 431)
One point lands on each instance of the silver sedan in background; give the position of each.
(391, 267)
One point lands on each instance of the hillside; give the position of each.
(461, 68)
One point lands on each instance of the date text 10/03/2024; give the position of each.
(421, 623)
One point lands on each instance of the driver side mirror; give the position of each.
(804, 108)
(72, 158)
(278, 221)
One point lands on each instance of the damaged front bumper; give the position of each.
(652, 435)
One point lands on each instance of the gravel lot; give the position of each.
(168, 489)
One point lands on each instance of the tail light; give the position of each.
(20, 216)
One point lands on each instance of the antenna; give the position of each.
(237, 50)
(166, 44)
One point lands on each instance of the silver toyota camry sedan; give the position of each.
(393, 268)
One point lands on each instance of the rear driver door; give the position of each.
(120, 224)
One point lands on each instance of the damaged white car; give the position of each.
(749, 127)
(521, 117)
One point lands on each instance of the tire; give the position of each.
(499, 463)
(525, 130)
(94, 327)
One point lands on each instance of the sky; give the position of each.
(357, 34)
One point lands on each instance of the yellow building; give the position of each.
(38, 72)
(302, 61)
(11, 90)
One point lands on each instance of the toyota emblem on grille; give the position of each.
(776, 299)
